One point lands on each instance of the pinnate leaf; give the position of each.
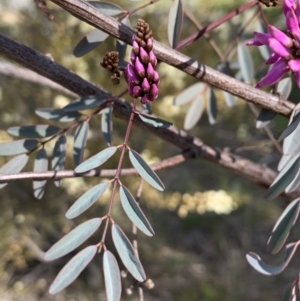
(72, 269)
(246, 63)
(175, 23)
(283, 226)
(40, 165)
(107, 8)
(34, 131)
(80, 142)
(84, 103)
(212, 110)
(73, 239)
(189, 94)
(13, 166)
(107, 125)
(112, 277)
(57, 114)
(264, 117)
(255, 261)
(156, 122)
(134, 212)
(17, 147)
(86, 200)
(96, 160)
(284, 87)
(127, 254)
(145, 170)
(59, 156)
(194, 112)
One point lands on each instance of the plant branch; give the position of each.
(89, 14)
(258, 174)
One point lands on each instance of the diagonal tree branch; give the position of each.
(258, 174)
(86, 12)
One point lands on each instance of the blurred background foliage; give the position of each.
(207, 218)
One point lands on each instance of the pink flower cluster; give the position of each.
(143, 80)
(285, 46)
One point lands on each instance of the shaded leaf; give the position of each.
(265, 117)
(284, 87)
(290, 129)
(294, 184)
(290, 292)
(86, 200)
(229, 99)
(194, 112)
(107, 125)
(212, 110)
(122, 46)
(264, 50)
(112, 277)
(57, 114)
(59, 156)
(246, 63)
(72, 269)
(73, 239)
(189, 94)
(134, 212)
(255, 261)
(156, 122)
(13, 166)
(40, 165)
(127, 254)
(90, 42)
(96, 160)
(284, 178)
(84, 103)
(109, 9)
(145, 171)
(80, 142)
(34, 131)
(283, 227)
(175, 23)
(17, 147)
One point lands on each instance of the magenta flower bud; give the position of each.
(135, 47)
(132, 57)
(144, 56)
(262, 37)
(145, 99)
(145, 85)
(150, 72)
(152, 58)
(149, 45)
(294, 65)
(131, 75)
(155, 77)
(130, 89)
(288, 5)
(137, 91)
(279, 49)
(153, 92)
(139, 67)
(297, 76)
(272, 59)
(293, 24)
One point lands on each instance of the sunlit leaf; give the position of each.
(112, 277)
(283, 226)
(265, 117)
(59, 156)
(90, 42)
(284, 87)
(246, 63)
(40, 165)
(290, 129)
(212, 110)
(229, 99)
(107, 125)
(80, 142)
(107, 8)
(189, 94)
(294, 184)
(73, 239)
(264, 50)
(13, 166)
(17, 147)
(86, 200)
(145, 171)
(194, 112)
(156, 122)
(57, 114)
(255, 261)
(72, 269)
(34, 131)
(284, 178)
(96, 160)
(84, 103)
(127, 254)
(175, 23)
(134, 212)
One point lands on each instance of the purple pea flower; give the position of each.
(285, 46)
(143, 80)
